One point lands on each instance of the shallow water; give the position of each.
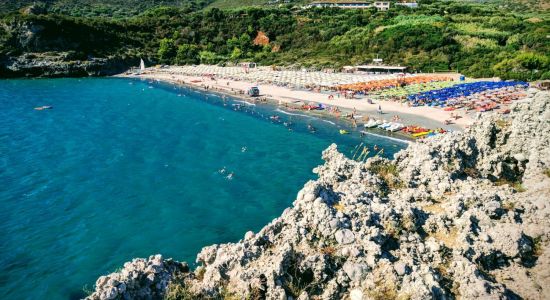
(124, 168)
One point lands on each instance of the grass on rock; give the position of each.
(389, 173)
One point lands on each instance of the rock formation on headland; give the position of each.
(37, 54)
(464, 215)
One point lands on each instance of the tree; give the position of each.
(187, 54)
(524, 66)
(236, 54)
(245, 42)
(167, 50)
(207, 57)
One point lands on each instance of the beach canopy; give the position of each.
(440, 96)
(390, 83)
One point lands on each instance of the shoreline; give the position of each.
(292, 99)
(288, 109)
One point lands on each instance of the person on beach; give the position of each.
(379, 109)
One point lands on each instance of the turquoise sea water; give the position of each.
(123, 168)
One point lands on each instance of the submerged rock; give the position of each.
(461, 215)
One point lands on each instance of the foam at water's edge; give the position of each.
(293, 114)
(386, 137)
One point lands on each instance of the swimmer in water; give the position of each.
(243, 149)
(376, 148)
(230, 176)
(222, 170)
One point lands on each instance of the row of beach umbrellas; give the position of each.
(296, 79)
(472, 90)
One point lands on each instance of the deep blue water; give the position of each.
(121, 169)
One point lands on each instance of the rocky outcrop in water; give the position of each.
(464, 215)
(43, 46)
(59, 64)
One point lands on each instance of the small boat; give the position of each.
(385, 125)
(372, 123)
(141, 65)
(274, 118)
(343, 131)
(43, 107)
(395, 127)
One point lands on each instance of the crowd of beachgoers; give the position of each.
(385, 101)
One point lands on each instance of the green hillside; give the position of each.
(128, 8)
(103, 8)
(229, 4)
(518, 5)
(475, 39)
(523, 6)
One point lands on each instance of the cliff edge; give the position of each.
(464, 215)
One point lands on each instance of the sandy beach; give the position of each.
(423, 116)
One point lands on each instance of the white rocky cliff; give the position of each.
(464, 215)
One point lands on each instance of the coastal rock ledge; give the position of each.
(464, 215)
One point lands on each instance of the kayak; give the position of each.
(421, 133)
(342, 131)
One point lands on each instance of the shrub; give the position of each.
(388, 172)
(178, 290)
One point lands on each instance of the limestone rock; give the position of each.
(470, 219)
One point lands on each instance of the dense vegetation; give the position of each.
(477, 40)
(97, 8)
